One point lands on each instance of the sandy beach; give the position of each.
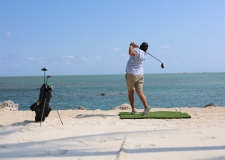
(100, 135)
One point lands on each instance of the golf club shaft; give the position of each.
(44, 77)
(153, 56)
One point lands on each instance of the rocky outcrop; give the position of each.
(124, 106)
(82, 108)
(210, 105)
(9, 105)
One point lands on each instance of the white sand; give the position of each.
(100, 135)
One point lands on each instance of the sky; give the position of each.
(86, 37)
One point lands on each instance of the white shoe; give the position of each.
(146, 111)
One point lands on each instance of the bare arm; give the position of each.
(131, 49)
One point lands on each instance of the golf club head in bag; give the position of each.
(47, 79)
(44, 69)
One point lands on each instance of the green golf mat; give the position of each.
(155, 115)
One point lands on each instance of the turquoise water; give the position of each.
(161, 90)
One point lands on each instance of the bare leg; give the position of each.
(131, 98)
(142, 97)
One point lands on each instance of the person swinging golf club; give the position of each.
(135, 75)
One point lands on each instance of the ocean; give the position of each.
(161, 90)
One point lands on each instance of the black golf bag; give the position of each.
(42, 107)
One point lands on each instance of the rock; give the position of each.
(210, 105)
(82, 108)
(102, 94)
(124, 106)
(9, 105)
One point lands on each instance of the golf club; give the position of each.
(47, 79)
(162, 65)
(44, 69)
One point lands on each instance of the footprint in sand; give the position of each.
(161, 137)
(55, 152)
(79, 144)
(102, 140)
(151, 145)
(145, 146)
(106, 139)
(199, 132)
(62, 152)
(23, 140)
(206, 138)
(40, 145)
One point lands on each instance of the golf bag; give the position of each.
(42, 107)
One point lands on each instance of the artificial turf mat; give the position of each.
(154, 115)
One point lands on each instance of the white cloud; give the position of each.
(99, 57)
(176, 61)
(117, 49)
(84, 59)
(162, 52)
(124, 57)
(167, 46)
(9, 34)
(29, 58)
(14, 64)
(69, 56)
(67, 63)
(41, 61)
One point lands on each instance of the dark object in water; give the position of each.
(102, 94)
